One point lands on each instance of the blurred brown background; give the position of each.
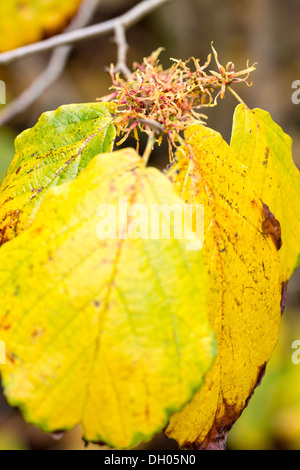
(263, 31)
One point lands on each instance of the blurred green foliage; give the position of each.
(7, 137)
(272, 419)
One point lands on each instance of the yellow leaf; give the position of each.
(263, 146)
(30, 21)
(245, 295)
(110, 333)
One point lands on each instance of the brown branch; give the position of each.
(120, 40)
(53, 70)
(76, 32)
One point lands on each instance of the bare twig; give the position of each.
(149, 147)
(126, 20)
(84, 16)
(156, 127)
(53, 70)
(74, 33)
(120, 40)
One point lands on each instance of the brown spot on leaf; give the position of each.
(13, 217)
(267, 153)
(271, 226)
(7, 200)
(217, 436)
(283, 296)
(36, 192)
(11, 357)
(37, 332)
(261, 373)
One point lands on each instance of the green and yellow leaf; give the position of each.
(54, 151)
(111, 334)
(246, 283)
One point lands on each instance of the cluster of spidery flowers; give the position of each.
(164, 102)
